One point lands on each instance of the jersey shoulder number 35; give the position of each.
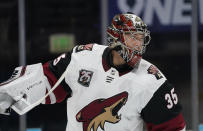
(163, 105)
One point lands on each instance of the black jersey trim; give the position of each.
(107, 62)
(156, 110)
(59, 69)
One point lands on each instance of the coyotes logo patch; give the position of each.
(85, 77)
(84, 47)
(154, 71)
(100, 111)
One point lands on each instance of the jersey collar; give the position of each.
(107, 62)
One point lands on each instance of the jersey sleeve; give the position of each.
(163, 111)
(53, 70)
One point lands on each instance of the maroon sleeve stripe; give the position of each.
(175, 124)
(59, 92)
(47, 100)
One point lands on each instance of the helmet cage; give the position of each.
(127, 23)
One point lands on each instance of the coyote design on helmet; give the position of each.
(100, 111)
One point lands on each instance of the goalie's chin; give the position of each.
(135, 61)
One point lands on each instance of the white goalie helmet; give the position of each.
(128, 24)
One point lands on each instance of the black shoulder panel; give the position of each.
(163, 106)
(58, 67)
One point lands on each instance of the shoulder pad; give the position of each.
(80, 48)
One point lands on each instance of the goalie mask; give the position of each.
(128, 35)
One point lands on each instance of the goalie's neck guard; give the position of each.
(107, 62)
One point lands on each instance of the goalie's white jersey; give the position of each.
(99, 95)
(104, 98)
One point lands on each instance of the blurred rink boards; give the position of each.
(34, 129)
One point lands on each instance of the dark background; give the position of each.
(170, 51)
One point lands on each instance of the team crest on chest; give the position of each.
(100, 111)
(85, 77)
(154, 71)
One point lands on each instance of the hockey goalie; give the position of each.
(109, 88)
